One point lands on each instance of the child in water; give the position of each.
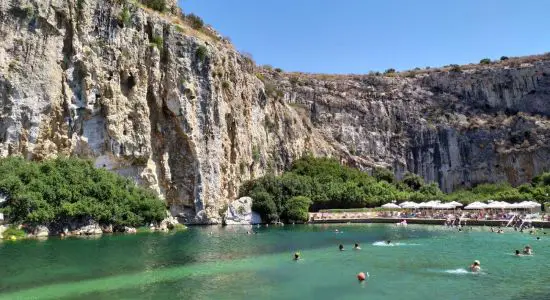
(527, 250)
(356, 247)
(341, 247)
(475, 267)
(517, 253)
(297, 256)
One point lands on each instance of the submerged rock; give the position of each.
(239, 212)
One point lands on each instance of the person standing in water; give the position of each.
(527, 250)
(475, 267)
(356, 247)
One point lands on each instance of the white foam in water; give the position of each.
(457, 271)
(392, 244)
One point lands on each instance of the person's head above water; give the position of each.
(341, 247)
(517, 252)
(356, 245)
(297, 256)
(476, 262)
(388, 242)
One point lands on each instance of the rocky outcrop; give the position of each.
(239, 212)
(180, 111)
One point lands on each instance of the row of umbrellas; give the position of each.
(436, 204)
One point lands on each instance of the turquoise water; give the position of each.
(424, 262)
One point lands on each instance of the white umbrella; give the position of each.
(444, 206)
(428, 204)
(498, 205)
(409, 205)
(476, 205)
(391, 205)
(456, 204)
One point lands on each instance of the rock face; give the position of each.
(239, 212)
(182, 112)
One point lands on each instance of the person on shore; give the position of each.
(518, 253)
(297, 256)
(475, 267)
(356, 247)
(341, 247)
(527, 250)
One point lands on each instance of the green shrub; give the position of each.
(67, 190)
(158, 41)
(455, 68)
(389, 71)
(202, 53)
(226, 85)
(158, 5)
(296, 209)
(125, 17)
(383, 174)
(194, 21)
(503, 58)
(143, 229)
(278, 70)
(13, 231)
(485, 61)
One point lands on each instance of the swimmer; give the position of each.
(475, 267)
(527, 250)
(356, 247)
(297, 256)
(459, 229)
(388, 242)
(248, 232)
(538, 238)
(517, 253)
(341, 247)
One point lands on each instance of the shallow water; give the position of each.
(422, 262)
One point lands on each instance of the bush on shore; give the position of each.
(313, 184)
(67, 190)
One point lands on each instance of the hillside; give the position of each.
(153, 97)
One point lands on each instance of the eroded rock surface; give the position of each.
(183, 113)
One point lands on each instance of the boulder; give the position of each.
(239, 212)
(168, 223)
(92, 228)
(107, 228)
(41, 231)
(129, 229)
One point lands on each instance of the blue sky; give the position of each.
(357, 36)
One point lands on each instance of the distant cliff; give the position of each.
(179, 110)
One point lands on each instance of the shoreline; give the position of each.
(469, 222)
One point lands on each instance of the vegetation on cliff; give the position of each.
(312, 184)
(67, 190)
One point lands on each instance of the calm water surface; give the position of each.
(425, 262)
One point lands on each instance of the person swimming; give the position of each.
(475, 267)
(341, 247)
(388, 242)
(356, 247)
(538, 238)
(297, 256)
(518, 253)
(527, 250)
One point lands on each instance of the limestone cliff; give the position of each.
(182, 112)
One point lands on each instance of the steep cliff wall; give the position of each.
(182, 112)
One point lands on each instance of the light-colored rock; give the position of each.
(91, 229)
(107, 228)
(239, 212)
(41, 231)
(129, 229)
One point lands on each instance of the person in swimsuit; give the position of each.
(475, 267)
(356, 247)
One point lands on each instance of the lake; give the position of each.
(423, 262)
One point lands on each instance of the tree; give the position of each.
(296, 209)
(383, 174)
(413, 181)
